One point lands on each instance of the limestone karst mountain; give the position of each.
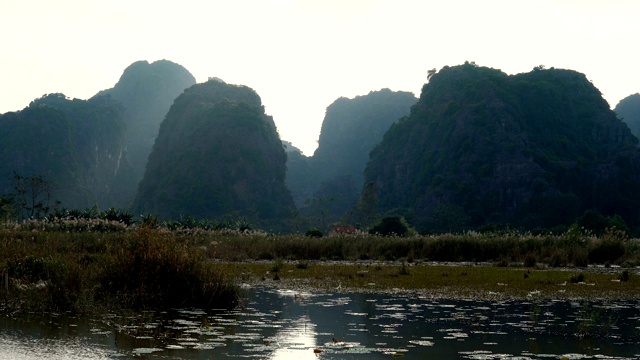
(529, 150)
(146, 91)
(351, 128)
(628, 110)
(216, 154)
(78, 146)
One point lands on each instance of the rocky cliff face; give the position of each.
(216, 154)
(531, 150)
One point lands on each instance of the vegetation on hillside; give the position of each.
(77, 145)
(533, 150)
(217, 154)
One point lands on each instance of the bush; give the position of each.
(278, 265)
(390, 226)
(315, 233)
(593, 221)
(578, 278)
(624, 276)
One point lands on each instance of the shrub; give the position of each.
(593, 221)
(390, 226)
(315, 233)
(577, 278)
(278, 265)
(624, 276)
(150, 220)
(403, 270)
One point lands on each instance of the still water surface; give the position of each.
(281, 324)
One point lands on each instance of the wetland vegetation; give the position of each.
(96, 264)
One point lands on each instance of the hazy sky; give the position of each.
(302, 55)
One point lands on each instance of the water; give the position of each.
(281, 324)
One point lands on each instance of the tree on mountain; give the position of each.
(430, 73)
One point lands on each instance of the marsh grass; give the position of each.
(89, 271)
(82, 267)
(567, 250)
(446, 281)
(154, 269)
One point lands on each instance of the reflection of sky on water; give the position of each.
(295, 341)
(283, 325)
(296, 335)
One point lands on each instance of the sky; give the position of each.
(301, 55)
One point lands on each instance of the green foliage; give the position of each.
(149, 220)
(404, 270)
(577, 278)
(278, 266)
(313, 233)
(390, 226)
(7, 209)
(116, 215)
(592, 221)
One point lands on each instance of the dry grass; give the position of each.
(86, 271)
(442, 281)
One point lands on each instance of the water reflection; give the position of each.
(56, 337)
(281, 325)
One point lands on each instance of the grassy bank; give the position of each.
(87, 266)
(468, 281)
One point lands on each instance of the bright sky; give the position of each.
(301, 55)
